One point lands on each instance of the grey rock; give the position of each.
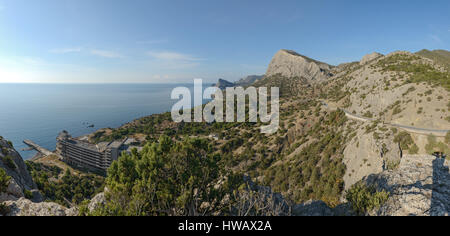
(370, 57)
(291, 64)
(72, 211)
(96, 202)
(249, 80)
(419, 187)
(14, 189)
(25, 207)
(37, 196)
(20, 174)
(222, 84)
(7, 197)
(312, 208)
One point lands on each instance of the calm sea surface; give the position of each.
(40, 111)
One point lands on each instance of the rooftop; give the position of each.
(100, 147)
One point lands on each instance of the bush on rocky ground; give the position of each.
(4, 180)
(364, 199)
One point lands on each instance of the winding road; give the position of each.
(410, 129)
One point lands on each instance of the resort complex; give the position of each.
(86, 155)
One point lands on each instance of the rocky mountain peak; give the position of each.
(289, 63)
(222, 84)
(370, 57)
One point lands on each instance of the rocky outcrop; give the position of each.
(365, 155)
(223, 84)
(312, 208)
(244, 82)
(13, 200)
(249, 80)
(370, 57)
(25, 207)
(98, 201)
(17, 168)
(291, 64)
(12, 193)
(264, 202)
(419, 187)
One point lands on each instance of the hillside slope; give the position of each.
(439, 56)
(338, 125)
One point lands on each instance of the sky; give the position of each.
(172, 41)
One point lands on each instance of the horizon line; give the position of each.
(95, 83)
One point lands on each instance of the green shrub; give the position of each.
(4, 180)
(413, 149)
(163, 177)
(67, 187)
(368, 114)
(9, 162)
(365, 198)
(406, 142)
(397, 110)
(418, 72)
(4, 210)
(435, 146)
(28, 194)
(392, 165)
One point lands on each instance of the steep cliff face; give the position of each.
(13, 164)
(291, 64)
(365, 155)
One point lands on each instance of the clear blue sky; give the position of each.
(124, 41)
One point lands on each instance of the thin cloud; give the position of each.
(159, 41)
(105, 54)
(436, 38)
(66, 50)
(172, 56)
(174, 60)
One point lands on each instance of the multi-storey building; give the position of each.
(86, 155)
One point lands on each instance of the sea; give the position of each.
(38, 112)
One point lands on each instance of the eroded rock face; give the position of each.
(419, 187)
(291, 64)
